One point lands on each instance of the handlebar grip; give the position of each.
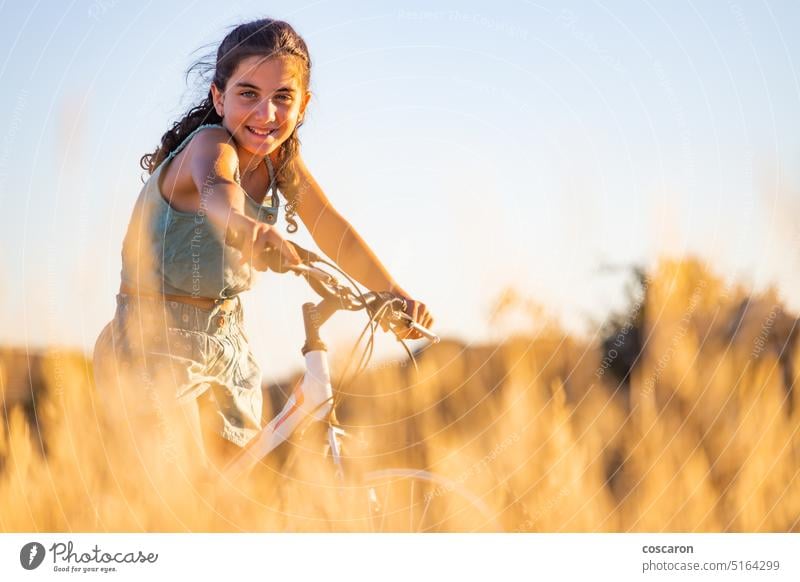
(425, 332)
(402, 304)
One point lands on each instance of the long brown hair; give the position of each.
(264, 37)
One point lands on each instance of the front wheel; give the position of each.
(414, 500)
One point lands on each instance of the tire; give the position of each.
(415, 500)
(384, 500)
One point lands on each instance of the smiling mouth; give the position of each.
(261, 132)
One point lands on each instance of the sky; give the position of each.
(474, 146)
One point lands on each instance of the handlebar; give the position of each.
(391, 305)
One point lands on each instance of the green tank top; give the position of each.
(181, 253)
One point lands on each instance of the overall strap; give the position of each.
(270, 203)
(273, 183)
(273, 179)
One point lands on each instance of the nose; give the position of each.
(267, 110)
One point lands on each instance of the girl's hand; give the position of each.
(419, 312)
(262, 238)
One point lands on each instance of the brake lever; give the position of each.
(398, 306)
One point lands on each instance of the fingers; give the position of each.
(420, 315)
(423, 316)
(262, 238)
(255, 252)
(407, 333)
(289, 256)
(412, 308)
(290, 253)
(250, 245)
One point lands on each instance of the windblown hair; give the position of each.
(267, 38)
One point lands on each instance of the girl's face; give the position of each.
(262, 103)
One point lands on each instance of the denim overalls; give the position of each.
(168, 349)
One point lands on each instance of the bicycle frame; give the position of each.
(312, 397)
(307, 400)
(312, 400)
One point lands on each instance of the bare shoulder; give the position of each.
(209, 157)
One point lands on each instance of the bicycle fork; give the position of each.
(311, 398)
(335, 450)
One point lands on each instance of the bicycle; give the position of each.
(425, 501)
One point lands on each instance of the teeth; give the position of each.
(259, 132)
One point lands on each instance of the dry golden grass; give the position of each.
(703, 438)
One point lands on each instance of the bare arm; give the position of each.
(212, 162)
(337, 238)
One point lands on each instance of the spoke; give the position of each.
(370, 490)
(425, 511)
(411, 508)
(385, 504)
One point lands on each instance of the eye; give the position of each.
(247, 93)
(284, 97)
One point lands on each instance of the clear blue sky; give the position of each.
(473, 145)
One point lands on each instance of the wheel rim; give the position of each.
(444, 503)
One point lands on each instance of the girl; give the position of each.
(197, 235)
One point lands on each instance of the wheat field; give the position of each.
(680, 416)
